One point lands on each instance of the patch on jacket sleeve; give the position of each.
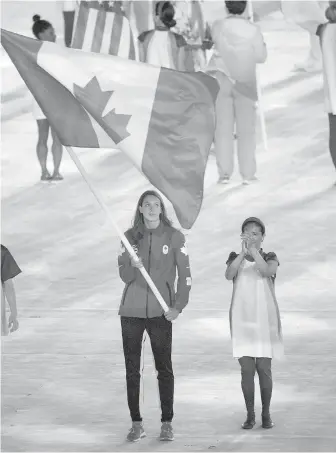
(188, 280)
(184, 249)
(165, 249)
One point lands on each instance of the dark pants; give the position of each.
(249, 365)
(160, 334)
(332, 137)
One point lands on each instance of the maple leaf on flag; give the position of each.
(94, 100)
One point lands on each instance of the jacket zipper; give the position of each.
(149, 255)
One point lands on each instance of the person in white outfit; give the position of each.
(238, 47)
(327, 34)
(255, 322)
(307, 15)
(162, 47)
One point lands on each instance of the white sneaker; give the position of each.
(247, 182)
(223, 180)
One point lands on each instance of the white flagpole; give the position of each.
(128, 246)
(260, 105)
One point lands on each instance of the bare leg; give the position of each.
(42, 147)
(57, 152)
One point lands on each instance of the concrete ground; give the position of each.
(63, 383)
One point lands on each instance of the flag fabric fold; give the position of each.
(163, 120)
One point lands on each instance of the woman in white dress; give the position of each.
(44, 31)
(162, 47)
(254, 317)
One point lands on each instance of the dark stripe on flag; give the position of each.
(65, 114)
(81, 25)
(116, 34)
(99, 31)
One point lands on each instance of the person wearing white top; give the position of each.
(327, 34)
(307, 15)
(238, 47)
(255, 323)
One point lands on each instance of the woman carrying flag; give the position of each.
(162, 251)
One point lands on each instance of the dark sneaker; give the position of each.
(167, 433)
(136, 433)
(249, 422)
(267, 422)
(57, 177)
(45, 176)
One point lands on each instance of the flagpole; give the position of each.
(260, 105)
(123, 238)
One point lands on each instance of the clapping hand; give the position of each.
(248, 243)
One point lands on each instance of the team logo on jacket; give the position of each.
(184, 250)
(165, 249)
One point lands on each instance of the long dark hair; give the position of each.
(138, 220)
(166, 13)
(40, 25)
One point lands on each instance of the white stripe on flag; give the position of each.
(127, 79)
(105, 47)
(125, 40)
(90, 28)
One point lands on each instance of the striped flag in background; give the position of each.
(103, 29)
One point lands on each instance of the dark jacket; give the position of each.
(163, 251)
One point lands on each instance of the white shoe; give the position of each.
(224, 180)
(247, 182)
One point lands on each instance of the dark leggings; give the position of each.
(332, 137)
(160, 334)
(249, 365)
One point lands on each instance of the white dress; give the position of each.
(254, 315)
(159, 50)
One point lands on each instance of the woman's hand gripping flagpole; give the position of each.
(127, 245)
(260, 105)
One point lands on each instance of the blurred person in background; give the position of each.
(327, 34)
(162, 47)
(44, 31)
(238, 48)
(9, 270)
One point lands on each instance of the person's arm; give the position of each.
(259, 46)
(266, 268)
(141, 45)
(233, 263)
(10, 295)
(142, 53)
(9, 291)
(183, 269)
